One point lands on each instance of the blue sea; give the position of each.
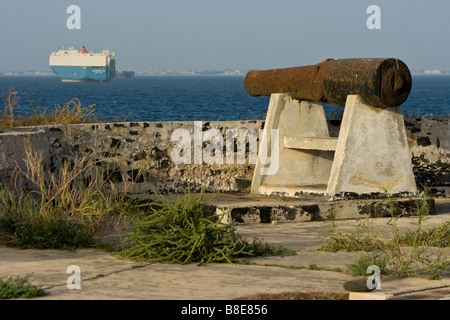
(188, 98)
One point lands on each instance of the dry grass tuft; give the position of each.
(71, 113)
(71, 206)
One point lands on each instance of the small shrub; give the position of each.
(359, 267)
(313, 266)
(336, 240)
(68, 208)
(400, 254)
(18, 287)
(41, 228)
(438, 236)
(70, 113)
(258, 247)
(185, 231)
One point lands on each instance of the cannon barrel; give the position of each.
(380, 82)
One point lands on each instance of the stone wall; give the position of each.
(146, 150)
(147, 147)
(14, 146)
(429, 142)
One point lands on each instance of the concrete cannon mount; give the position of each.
(244, 208)
(368, 159)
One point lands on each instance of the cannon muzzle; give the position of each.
(380, 82)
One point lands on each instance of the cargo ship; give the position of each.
(125, 74)
(72, 65)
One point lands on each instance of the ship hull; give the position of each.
(84, 73)
(74, 66)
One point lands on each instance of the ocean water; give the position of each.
(188, 98)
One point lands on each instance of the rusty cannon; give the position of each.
(380, 82)
(370, 156)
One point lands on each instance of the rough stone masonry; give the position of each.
(146, 147)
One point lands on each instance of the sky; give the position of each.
(156, 35)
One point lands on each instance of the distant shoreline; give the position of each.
(168, 73)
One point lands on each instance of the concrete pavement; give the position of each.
(104, 276)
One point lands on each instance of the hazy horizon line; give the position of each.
(168, 72)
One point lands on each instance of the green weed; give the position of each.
(359, 267)
(18, 287)
(187, 230)
(406, 254)
(361, 239)
(68, 208)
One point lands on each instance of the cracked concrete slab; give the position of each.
(104, 276)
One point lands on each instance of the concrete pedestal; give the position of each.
(370, 157)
